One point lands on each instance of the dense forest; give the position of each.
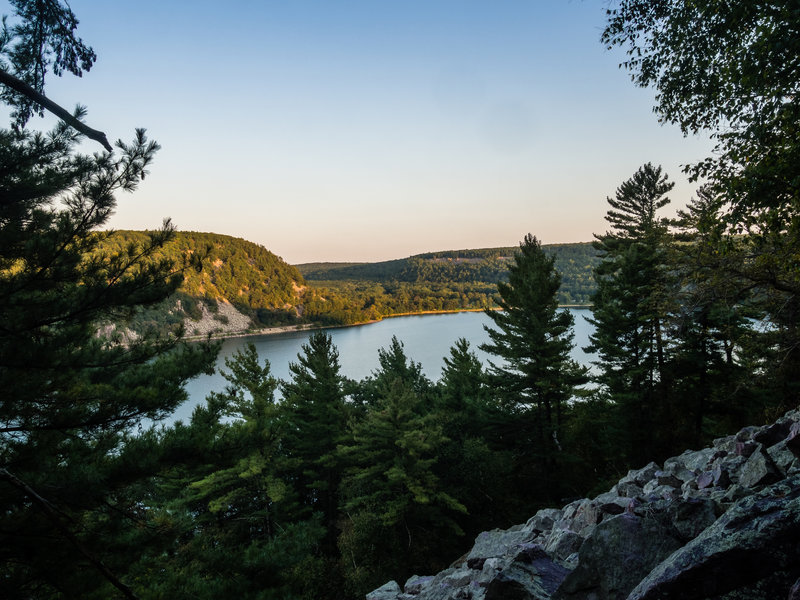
(340, 485)
(449, 280)
(219, 268)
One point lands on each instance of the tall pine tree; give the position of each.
(72, 391)
(315, 422)
(473, 466)
(536, 377)
(630, 309)
(399, 519)
(710, 329)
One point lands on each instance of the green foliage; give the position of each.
(451, 280)
(473, 463)
(228, 269)
(346, 484)
(380, 271)
(630, 311)
(739, 89)
(463, 385)
(536, 377)
(677, 330)
(72, 390)
(315, 418)
(392, 492)
(394, 367)
(593, 434)
(69, 395)
(711, 330)
(234, 522)
(358, 301)
(261, 285)
(742, 90)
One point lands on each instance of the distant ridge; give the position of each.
(244, 288)
(575, 262)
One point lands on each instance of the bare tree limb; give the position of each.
(54, 515)
(26, 90)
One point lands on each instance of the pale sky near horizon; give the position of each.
(371, 130)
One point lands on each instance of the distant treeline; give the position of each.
(271, 292)
(451, 280)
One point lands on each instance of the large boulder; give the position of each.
(388, 591)
(759, 469)
(544, 520)
(497, 542)
(563, 543)
(752, 551)
(531, 575)
(722, 523)
(773, 434)
(781, 456)
(527, 573)
(580, 516)
(448, 584)
(416, 583)
(631, 485)
(616, 556)
(689, 518)
(691, 460)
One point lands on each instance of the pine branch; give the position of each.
(54, 515)
(29, 92)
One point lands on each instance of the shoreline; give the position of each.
(313, 327)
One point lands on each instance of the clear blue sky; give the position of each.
(336, 130)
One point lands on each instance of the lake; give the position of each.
(427, 339)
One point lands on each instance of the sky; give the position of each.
(371, 130)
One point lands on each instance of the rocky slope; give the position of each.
(230, 286)
(225, 321)
(718, 523)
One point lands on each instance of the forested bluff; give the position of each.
(241, 287)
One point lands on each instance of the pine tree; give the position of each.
(462, 374)
(393, 364)
(73, 387)
(233, 523)
(472, 466)
(728, 90)
(537, 376)
(630, 309)
(315, 421)
(399, 519)
(464, 395)
(710, 328)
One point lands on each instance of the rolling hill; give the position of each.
(575, 262)
(241, 286)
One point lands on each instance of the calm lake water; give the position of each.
(427, 339)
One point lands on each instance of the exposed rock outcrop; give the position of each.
(720, 523)
(225, 320)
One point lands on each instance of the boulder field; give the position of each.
(720, 523)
